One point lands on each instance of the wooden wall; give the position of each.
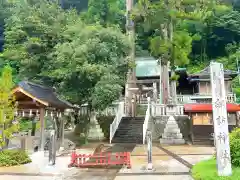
(202, 125)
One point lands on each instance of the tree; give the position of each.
(4, 13)
(106, 13)
(32, 31)
(8, 122)
(56, 47)
(91, 64)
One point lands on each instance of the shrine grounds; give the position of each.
(169, 162)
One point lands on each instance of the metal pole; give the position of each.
(149, 150)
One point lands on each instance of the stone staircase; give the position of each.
(130, 130)
(172, 134)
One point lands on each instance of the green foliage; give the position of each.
(13, 158)
(104, 122)
(234, 146)
(96, 60)
(26, 124)
(8, 123)
(208, 170)
(105, 12)
(82, 124)
(54, 46)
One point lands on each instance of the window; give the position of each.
(202, 119)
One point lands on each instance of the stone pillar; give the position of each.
(155, 93)
(62, 118)
(174, 91)
(95, 132)
(42, 130)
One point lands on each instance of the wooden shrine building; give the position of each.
(34, 100)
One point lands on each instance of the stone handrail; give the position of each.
(163, 110)
(147, 118)
(117, 120)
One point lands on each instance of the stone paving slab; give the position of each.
(153, 177)
(39, 164)
(141, 150)
(160, 165)
(190, 149)
(193, 159)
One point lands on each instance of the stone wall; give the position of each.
(158, 124)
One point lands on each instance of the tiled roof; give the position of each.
(45, 94)
(148, 67)
(206, 72)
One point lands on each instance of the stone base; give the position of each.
(95, 133)
(172, 141)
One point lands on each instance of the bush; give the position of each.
(104, 122)
(235, 146)
(13, 158)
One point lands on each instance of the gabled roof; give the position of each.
(42, 94)
(146, 67)
(205, 73)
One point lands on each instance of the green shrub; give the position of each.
(13, 157)
(235, 146)
(104, 122)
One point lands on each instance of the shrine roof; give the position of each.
(148, 67)
(42, 94)
(205, 73)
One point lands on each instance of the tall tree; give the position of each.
(8, 123)
(106, 13)
(171, 41)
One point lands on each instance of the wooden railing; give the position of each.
(117, 120)
(111, 110)
(146, 121)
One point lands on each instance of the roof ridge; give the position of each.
(39, 85)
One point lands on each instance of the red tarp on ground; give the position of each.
(208, 107)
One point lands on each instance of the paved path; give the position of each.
(170, 162)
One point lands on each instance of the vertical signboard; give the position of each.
(220, 121)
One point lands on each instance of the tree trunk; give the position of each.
(165, 80)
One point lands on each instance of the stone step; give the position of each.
(172, 141)
(172, 122)
(174, 136)
(171, 126)
(171, 130)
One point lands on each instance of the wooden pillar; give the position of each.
(42, 131)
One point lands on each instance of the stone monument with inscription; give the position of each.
(220, 120)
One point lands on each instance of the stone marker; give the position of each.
(220, 120)
(172, 134)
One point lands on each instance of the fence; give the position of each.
(161, 109)
(100, 159)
